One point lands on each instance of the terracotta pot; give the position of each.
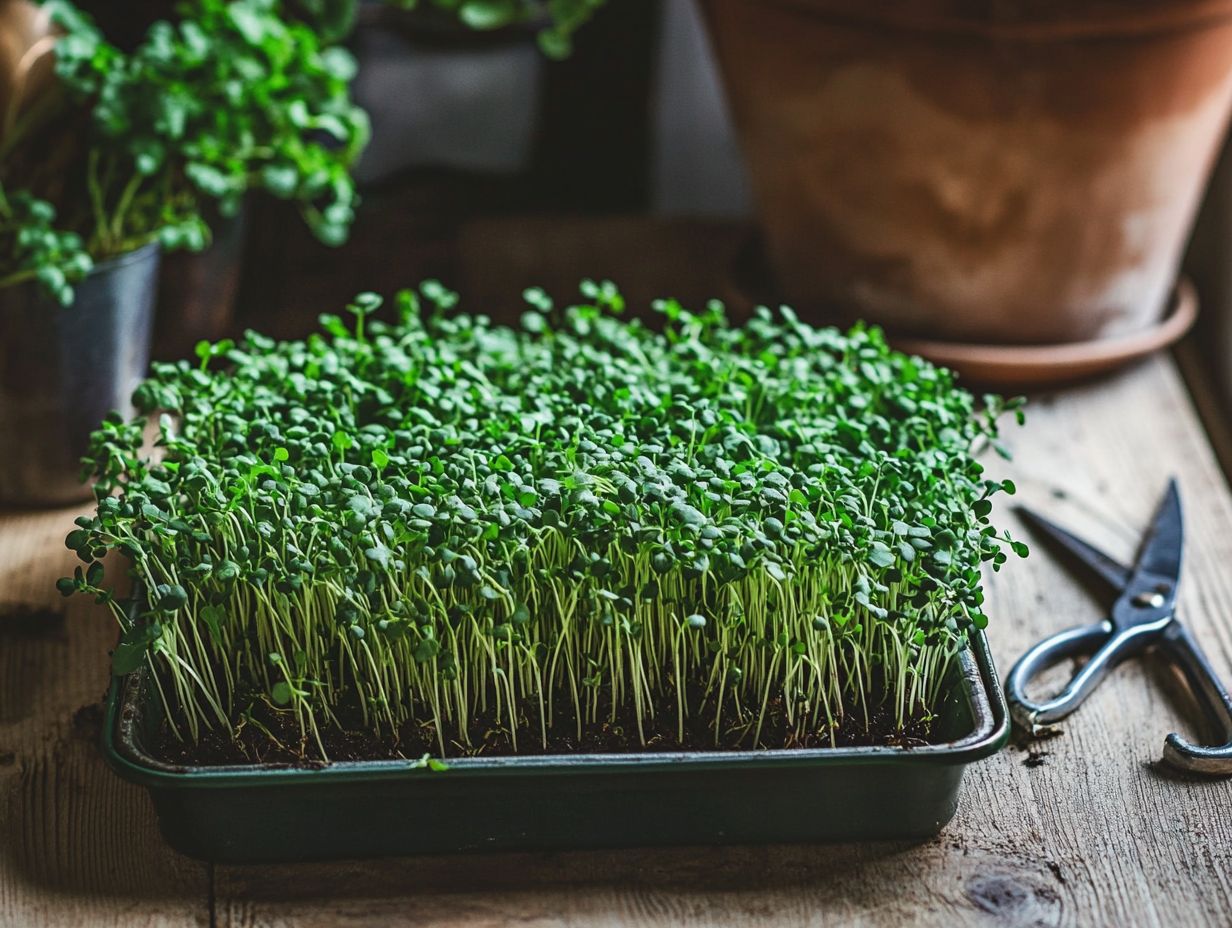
(993, 172)
(27, 68)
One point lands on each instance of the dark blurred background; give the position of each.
(491, 163)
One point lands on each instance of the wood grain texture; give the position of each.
(1214, 408)
(1091, 832)
(78, 846)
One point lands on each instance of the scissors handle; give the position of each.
(1205, 684)
(1107, 646)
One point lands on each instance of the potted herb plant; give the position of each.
(298, 57)
(612, 578)
(986, 173)
(441, 81)
(116, 156)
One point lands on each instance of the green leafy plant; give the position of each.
(558, 19)
(233, 96)
(566, 524)
(37, 250)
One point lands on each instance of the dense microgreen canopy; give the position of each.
(440, 517)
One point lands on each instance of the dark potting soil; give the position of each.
(272, 736)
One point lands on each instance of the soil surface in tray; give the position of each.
(273, 737)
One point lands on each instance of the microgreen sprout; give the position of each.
(442, 518)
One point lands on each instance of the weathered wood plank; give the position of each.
(1094, 833)
(77, 845)
(1212, 406)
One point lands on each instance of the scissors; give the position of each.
(1143, 616)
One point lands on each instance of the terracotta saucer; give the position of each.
(1002, 367)
(1021, 367)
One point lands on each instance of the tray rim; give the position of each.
(982, 686)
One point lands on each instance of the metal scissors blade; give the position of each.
(1160, 554)
(1144, 615)
(1108, 569)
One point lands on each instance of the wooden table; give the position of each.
(1087, 831)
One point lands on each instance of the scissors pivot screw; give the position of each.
(1149, 600)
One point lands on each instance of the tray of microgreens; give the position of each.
(585, 581)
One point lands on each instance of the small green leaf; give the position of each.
(880, 555)
(282, 693)
(487, 14)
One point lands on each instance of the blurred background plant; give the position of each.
(555, 20)
(114, 147)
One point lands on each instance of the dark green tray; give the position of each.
(381, 808)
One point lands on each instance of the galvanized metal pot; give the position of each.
(197, 290)
(63, 369)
